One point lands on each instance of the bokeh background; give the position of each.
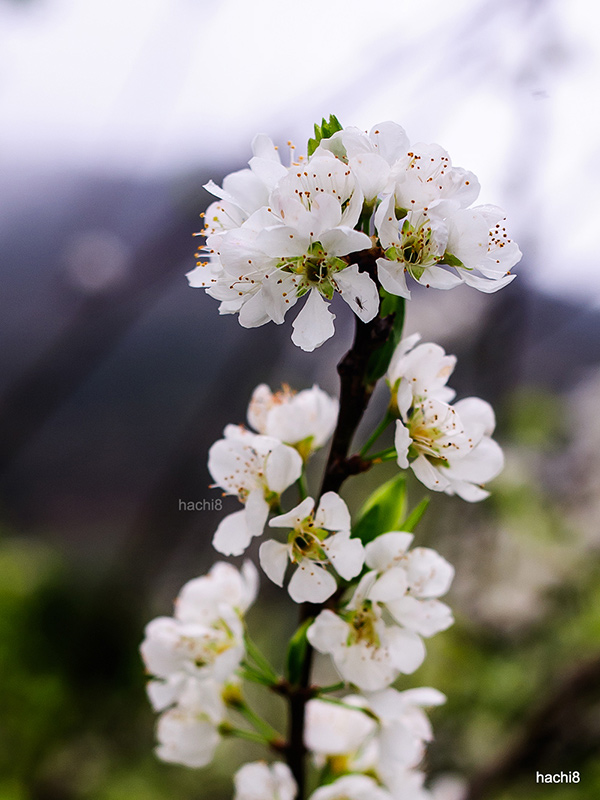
(115, 377)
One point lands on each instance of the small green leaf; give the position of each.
(383, 511)
(323, 131)
(380, 358)
(297, 653)
(451, 261)
(413, 519)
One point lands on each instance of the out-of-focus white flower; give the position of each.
(261, 781)
(188, 733)
(448, 787)
(316, 540)
(339, 730)
(204, 640)
(403, 728)
(352, 787)
(387, 743)
(205, 599)
(257, 469)
(304, 420)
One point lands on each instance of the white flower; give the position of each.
(304, 420)
(415, 245)
(352, 787)
(206, 598)
(407, 583)
(337, 730)
(193, 649)
(426, 176)
(204, 641)
(387, 743)
(365, 650)
(186, 737)
(418, 372)
(370, 156)
(403, 728)
(449, 448)
(477, 237)
(257, 469)
(188, 733)
(261, 781)
(296, 249)
(316, 540)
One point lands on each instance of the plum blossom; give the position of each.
(407, 584)
(296, 248)
(203, 641)
(341, 731)
(186, 736)
(370, 156)
(257, 469)
(448, 447)
(387, 741)
(352, 787)
(261, 781)
(304, 420)
(417, 371)
(317, 540)
(365, 649)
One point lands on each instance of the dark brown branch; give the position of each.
(355, 393)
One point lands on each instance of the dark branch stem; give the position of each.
(355, 393)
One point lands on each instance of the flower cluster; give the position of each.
(359, 215)
(193, 657)
(279, 234)
(378, 634)
(448, 447)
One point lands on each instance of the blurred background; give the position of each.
(115, 377)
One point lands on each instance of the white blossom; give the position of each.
(257, 469)
(406, 583)
(261, 781)
(203, 642)
(352, 787)
(365, 649)
(317, 539)
(387, 742)
(296, 249)
(188, 733)
(304, 420)
(333, 729)
(448, 447)
(417, 371)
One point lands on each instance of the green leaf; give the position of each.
(411, 522)
(451, 261)
(323, 131)
(383, 511)
(297, 653)
(380, 358)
